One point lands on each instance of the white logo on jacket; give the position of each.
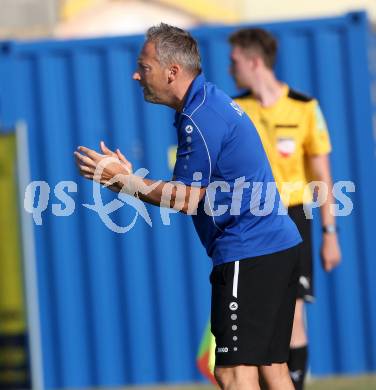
(237, 108)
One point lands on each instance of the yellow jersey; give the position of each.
(290, 130)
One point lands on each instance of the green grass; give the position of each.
(344, 383)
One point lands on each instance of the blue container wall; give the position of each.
(130, 308)
(372, 67)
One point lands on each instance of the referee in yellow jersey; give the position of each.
(295, 137)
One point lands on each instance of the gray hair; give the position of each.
(173, 44)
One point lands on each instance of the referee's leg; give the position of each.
(299, 336)
(299, 342)
(298, 347)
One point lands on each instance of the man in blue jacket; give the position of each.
(223, 179)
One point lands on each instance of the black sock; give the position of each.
(298, 366)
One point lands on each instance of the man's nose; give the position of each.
(136, 76)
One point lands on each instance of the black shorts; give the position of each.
(252, 309)
(304, 225)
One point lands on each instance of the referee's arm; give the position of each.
(330, 249)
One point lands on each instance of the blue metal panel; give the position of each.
(331, 79)
(370, 265)
(130, 308)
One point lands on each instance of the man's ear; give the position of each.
(173, 71)
(257, 62)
